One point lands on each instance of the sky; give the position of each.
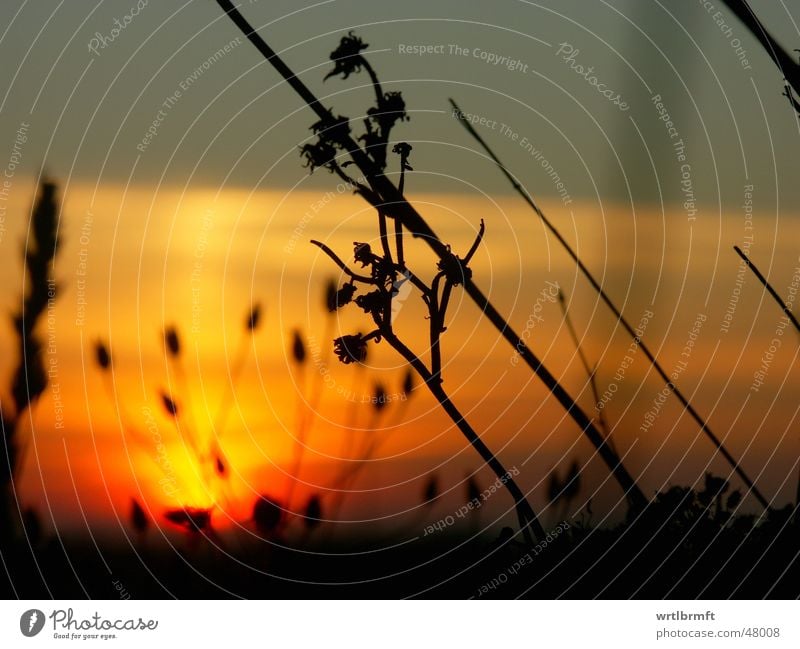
(237, 123)
(185, 202)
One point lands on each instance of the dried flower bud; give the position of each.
(362, 253)
(172, 341)
(350, 349)
(169, 404)
(333, 130)
(341, 297)
(253, 318)
(219, 465)
(455, 269)
(318, 154)
(347, 56)
(379, 398)
(372, 302)
(403, 149)
(298, 348)
(102, 355)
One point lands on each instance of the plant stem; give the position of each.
(396, 205)
(590, 372)
(398, 225)
(617, 314)
(784, 307)
(787, 66)
(527, 517)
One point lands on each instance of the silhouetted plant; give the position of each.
(379, 282)
(195, 520)
(373, 437)
(590, 370)
(430, 492)
(336, 149)
(617, 314)
(561, 493)
(29, 378)
(787, 310)
(205, 450)
(313, 513)
(140, 522)
(786, 64)
(268, 515)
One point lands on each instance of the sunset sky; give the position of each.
(210, 212)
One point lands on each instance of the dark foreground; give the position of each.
(681, 547)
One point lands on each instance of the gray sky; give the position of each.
(237, 124)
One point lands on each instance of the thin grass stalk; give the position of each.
(396, 206)
(784, 307)
(590, 371)
(528, 519)
(787, 311)
(617, 314)
(299, 437)
(786, 64)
